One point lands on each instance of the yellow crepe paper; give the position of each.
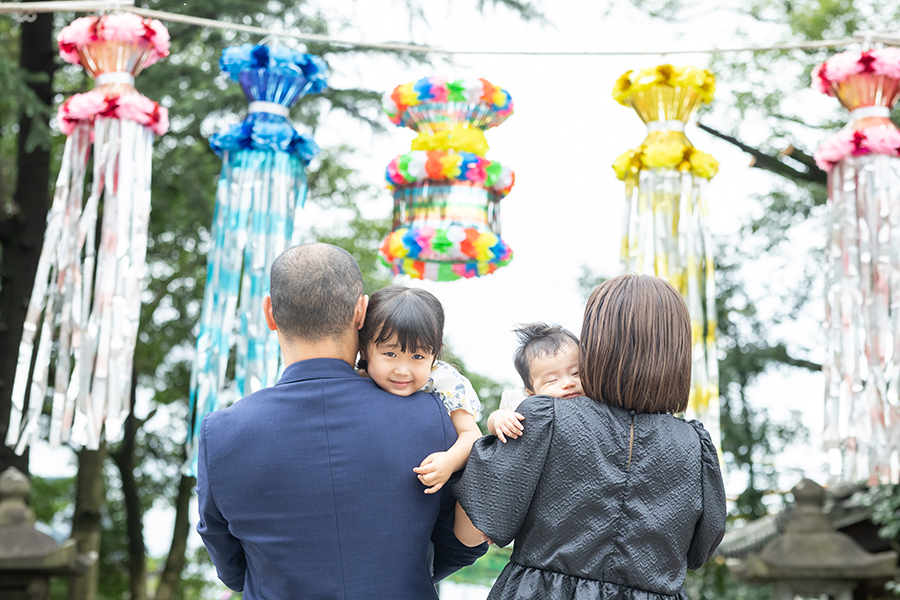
(702, 81)
(665, 150)
(461, 139)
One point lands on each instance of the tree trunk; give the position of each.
(171, 575)
(89, 498)
(124, 459)
(21, 235)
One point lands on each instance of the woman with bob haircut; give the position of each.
(609, 495)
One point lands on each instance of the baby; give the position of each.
(547, 361)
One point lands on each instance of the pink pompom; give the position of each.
(835, 149)
(159, 37)
(887, 62)
(125, 27)
(883, 140)
(75, 35)
(84, 106)
(160, 122)
(841, 66)
(136, 107)
(820, 80)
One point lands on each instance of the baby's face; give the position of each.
(557, 375)
(395, 371)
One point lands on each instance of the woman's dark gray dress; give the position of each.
(586, 523)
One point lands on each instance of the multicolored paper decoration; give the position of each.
(260, 193)
(862, 296)
(446, 194)
(666, 230)
(85, 303)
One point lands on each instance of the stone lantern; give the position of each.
(29, 558)
(810, 558)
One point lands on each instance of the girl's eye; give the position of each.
(418, 357)
(390, 354)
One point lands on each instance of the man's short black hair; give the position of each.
(538, 340)
(314, 290)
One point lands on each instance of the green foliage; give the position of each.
(714, 582)
(486, 569)
(51, 499)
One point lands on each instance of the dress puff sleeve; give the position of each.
(454, 389)
(499, 480)
(710, 527)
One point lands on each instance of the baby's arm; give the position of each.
(437, 468)
(505, 423)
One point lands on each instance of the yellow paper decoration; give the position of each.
(461, 139)
(666, 224)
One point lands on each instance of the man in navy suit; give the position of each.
(306, 489)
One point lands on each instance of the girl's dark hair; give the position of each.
(538, 340)
(636, 345)
(415, 316)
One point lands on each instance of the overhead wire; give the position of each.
(27, 8)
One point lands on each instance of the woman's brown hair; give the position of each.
(636, 345)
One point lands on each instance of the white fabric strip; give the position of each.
(675, 125)
(114, 77)
(865, 112)
(269, 107)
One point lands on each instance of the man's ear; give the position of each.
(270, 314)
(359, 315)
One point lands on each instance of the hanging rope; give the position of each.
(128, 6)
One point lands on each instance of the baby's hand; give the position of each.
(506, 424)
(434, 471)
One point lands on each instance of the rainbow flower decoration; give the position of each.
(435, 104)
(446, 193)
(444, 254)
(462, 167)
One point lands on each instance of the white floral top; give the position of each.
(511, 399)
(454, 388)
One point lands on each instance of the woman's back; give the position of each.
(595, 511)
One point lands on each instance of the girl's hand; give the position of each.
(507, 424)
(434, 471)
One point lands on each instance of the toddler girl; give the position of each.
(398, 347)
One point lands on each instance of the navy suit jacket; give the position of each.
(306, 490)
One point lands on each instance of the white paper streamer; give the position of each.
(862, 370)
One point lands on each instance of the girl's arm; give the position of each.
(437, 468)
(465, 532)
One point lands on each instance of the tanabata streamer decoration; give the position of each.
(862, 296)
(85, 304)
(446, 194)
(260, 193)
(666, 231)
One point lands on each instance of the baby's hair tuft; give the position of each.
(537, 340)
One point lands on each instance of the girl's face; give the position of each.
(400, 373)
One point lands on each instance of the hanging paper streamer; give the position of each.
(666, 231)
(85, 304)
(862, 296)
(259, 195)
(446, 194)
